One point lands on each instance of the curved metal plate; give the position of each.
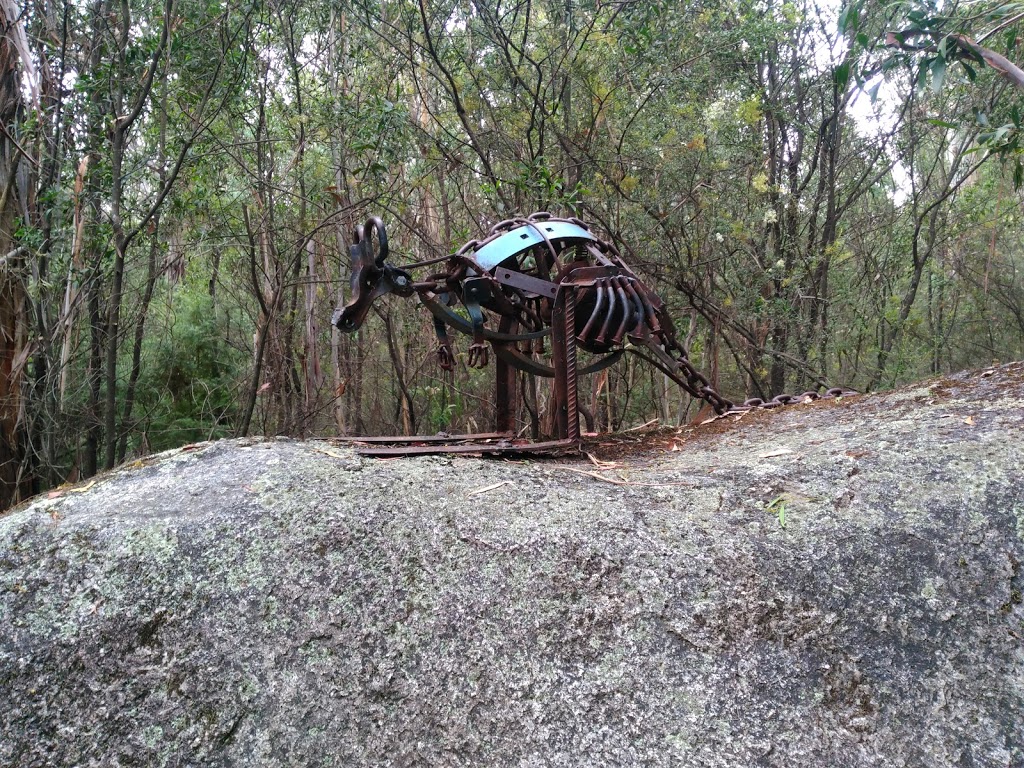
(527, 236)
(522, 362)
(461, 324)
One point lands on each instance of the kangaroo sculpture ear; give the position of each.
(375, 225)
(362, 251)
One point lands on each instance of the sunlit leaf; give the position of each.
(842, 75)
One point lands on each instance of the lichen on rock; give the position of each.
(286, 603)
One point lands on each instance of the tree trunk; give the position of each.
(14, 482)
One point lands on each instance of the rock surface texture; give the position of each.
(284, 603)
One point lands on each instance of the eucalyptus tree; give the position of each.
(950, 64)
(736, 176)
(15, 164)
(119, 94)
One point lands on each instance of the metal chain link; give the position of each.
(698, 386)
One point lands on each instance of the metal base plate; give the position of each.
(487, 444)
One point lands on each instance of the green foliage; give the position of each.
(188, 390)
(777, 508)
(930, 41)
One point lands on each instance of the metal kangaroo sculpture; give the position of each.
(531, 278)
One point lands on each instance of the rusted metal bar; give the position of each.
(508, 449)
(439, 438)
(560, 362)
(504, 384)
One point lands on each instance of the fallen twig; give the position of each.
(652, 422)
(601, 464)
(487, 488)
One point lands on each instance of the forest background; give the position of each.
(821, 192)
